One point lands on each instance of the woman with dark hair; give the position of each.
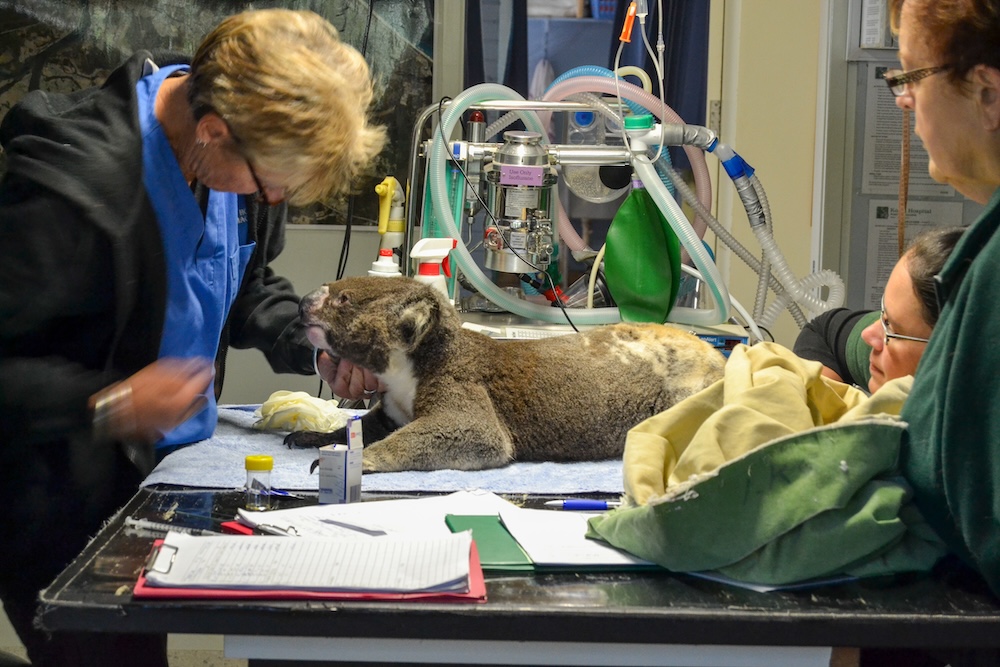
(868, 348)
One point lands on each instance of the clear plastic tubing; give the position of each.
(583, 70)
(597, 84)
(595, 79)
(800, 292)
(437, 171)
(689, 239)
(598, 71)
(439, 198)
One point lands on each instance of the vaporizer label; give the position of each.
(513, 174)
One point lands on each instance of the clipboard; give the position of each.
(143, 590)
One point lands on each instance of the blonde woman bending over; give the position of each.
(138, 221)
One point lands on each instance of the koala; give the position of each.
(458, 399)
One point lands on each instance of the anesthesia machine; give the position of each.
(493, 189)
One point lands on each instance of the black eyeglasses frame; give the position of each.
(897, 80)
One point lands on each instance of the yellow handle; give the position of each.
(385, 190)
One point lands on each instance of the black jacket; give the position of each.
(83, 281)
(834, 339)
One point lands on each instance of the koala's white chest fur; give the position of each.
(400, 377)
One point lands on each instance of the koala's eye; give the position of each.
(342, 299)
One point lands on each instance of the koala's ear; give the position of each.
(416, 320)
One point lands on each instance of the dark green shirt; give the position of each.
(951, 454)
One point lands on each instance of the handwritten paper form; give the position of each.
(404, 564)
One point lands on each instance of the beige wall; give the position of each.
(763, 66)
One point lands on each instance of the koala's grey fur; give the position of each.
(461, 400)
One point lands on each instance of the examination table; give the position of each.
(563, 618)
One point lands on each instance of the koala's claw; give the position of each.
(306, 439)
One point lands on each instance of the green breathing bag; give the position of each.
(642, 260)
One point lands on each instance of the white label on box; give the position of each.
(340, 468)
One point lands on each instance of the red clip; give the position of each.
(553, 295)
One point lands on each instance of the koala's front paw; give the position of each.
(306, 439)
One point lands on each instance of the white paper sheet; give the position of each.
(556, 538)
(421, 516)
(391, 565)
(552, 538)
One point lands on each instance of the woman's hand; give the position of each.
(345, 379)
(154, 400)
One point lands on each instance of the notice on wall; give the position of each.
(883, 240)
(875, 32)
(883, 146)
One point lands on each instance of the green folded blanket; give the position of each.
(773, 475)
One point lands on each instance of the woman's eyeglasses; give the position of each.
(261, 194)
(898, 79)
(888, 335)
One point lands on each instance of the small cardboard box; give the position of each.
(340, 467)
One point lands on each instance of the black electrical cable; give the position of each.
(345, 247)
(486, 208)
(368, 25)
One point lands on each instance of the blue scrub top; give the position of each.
(205, 257)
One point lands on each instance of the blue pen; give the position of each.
(583, 504)
(282, 493)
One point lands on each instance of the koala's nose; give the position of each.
(313, 301)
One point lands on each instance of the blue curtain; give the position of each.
(515, 74)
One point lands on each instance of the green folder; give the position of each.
(498, 550)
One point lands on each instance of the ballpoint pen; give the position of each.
(284, 494)
(583, 504)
